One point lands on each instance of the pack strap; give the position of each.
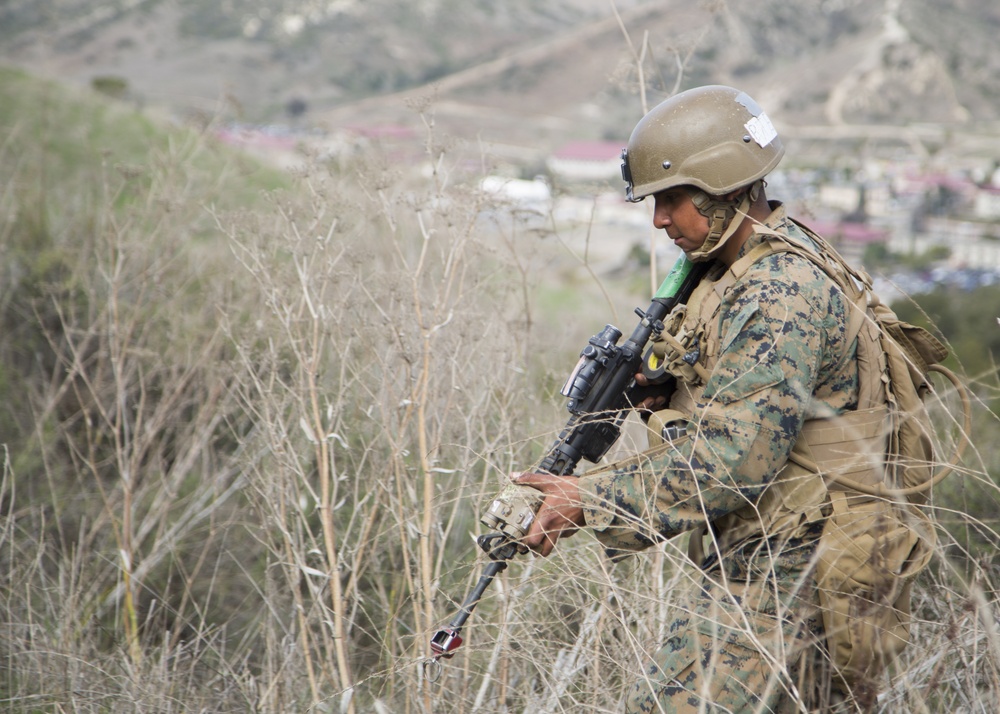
(778, 242)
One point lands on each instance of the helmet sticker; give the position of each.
(759, 126)
(761, 129)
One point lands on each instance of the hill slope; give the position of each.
(521, 71)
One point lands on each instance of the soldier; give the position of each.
(765, 355)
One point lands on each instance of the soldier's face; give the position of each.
(675, 213)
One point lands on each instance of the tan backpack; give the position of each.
(876, 539)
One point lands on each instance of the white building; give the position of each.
(588, 161)
(987, 203)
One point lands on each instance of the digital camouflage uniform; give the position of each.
(778, 353)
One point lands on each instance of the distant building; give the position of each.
(842, 197)
(869, 199)
(940, 193)
(397, 142)
(850, 239)
(588, 161)
(986, 205)
(517, 194)
(845, 233)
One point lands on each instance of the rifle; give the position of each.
(601, 390)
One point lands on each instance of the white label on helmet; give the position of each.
(761, 129)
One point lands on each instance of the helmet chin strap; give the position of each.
(720, 214)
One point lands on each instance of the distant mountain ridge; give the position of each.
(521, 71)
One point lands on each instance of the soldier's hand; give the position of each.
(559, 516)
(650, 397)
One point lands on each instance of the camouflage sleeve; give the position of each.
(773, 338)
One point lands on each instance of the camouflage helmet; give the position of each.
(714, 137)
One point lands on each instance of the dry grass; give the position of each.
(243, 470)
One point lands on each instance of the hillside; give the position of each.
(521, 72)
(250, 420)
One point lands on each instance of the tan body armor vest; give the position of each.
(852, 444)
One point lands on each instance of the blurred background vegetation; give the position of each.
(249, 419)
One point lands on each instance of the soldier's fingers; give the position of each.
(533, 540)
(545, 542)
(535, 480)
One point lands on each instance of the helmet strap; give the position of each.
(720, 213)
